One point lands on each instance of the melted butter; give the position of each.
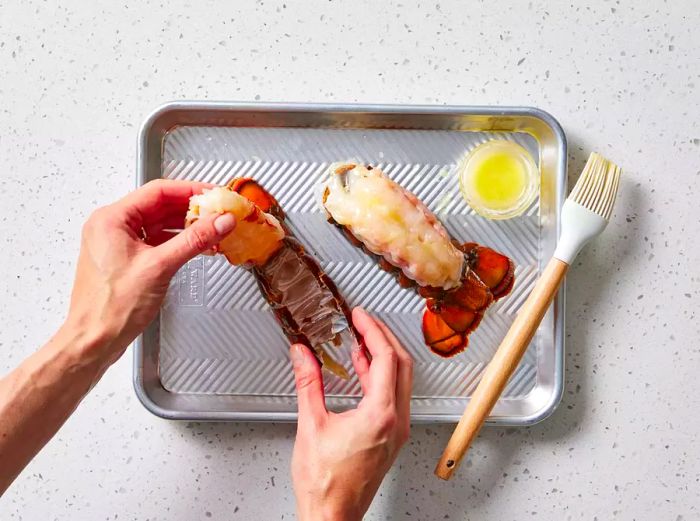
(499, 180)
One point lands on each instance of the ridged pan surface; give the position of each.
(217, 336)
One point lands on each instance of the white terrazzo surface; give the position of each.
(623, 78)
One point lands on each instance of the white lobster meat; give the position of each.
(392, 223)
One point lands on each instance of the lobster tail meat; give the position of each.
(458, 281)
(391, 223)
(257, 235)
(304, 300)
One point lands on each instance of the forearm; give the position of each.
(323, 512)
(38, 396)
(339, 496)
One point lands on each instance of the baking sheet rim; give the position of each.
(549, 406)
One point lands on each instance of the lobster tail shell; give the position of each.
(304, 300)
(489, 276)
(495, 270)
(256, 194)
(453, 310)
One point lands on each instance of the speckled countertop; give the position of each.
(622, 77)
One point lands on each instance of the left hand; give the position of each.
(127, 260)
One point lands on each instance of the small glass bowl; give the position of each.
(518, 156)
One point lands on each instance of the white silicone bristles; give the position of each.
(597, 186)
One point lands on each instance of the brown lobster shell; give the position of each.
(297, 326)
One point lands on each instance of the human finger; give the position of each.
(171, 222)
(382, 369)
(309, 384)
(404, 380)
(203, 234)
(361, 364)
(160, 237)
(151, 198)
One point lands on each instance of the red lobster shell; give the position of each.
(452, 314)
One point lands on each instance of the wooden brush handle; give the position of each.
(501, 367)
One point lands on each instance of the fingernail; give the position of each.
(224, 223)
(296, 353)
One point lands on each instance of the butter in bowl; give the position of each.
(499, 179)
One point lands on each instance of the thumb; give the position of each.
(309, 382)
(200, 236)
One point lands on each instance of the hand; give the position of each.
(122, 277)
(120, 283)
(340, 459)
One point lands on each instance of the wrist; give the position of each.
(87, 339)
(328, 511)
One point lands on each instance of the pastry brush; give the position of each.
(585, 214)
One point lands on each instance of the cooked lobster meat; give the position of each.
(305, 301)
(458, 281)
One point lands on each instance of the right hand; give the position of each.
(122, 277)
(340, 459)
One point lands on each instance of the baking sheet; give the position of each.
(216, 351)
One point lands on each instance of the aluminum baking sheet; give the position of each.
(216, 353)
